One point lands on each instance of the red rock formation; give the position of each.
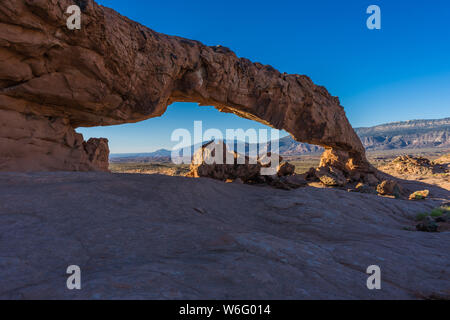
(116, 71)
(29, 142)
(231, 165)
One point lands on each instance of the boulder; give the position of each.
(285, 169)
(212, 160)
(364, 188)
(419, 195)
(331, 176)
(390, 188)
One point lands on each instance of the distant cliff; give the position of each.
(411, 134)
(407, 134)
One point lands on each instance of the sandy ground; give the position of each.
(160, 237)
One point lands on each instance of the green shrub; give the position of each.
(437, 212)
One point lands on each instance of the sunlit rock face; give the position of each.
(29, 142)
(114, 71)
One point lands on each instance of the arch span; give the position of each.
(115, 71)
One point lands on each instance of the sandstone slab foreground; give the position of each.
(115, 71)
(160, 237)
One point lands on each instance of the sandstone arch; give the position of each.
(115, 71)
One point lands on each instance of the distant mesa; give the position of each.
(161, 155)
(407, 135)
(402, 136)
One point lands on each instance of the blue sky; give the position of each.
(400, 72)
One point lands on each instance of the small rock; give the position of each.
(363, 188)
(285, 169)
(389, 188)
(419, 195)
(330, 176)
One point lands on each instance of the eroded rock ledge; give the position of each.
(116, 71)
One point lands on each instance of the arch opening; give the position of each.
(146, 147)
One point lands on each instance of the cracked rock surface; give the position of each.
(160, 237)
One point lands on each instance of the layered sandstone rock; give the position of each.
(116, 71)
(390, 188)
(215, 160)
(29, 142)
(415, 166)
